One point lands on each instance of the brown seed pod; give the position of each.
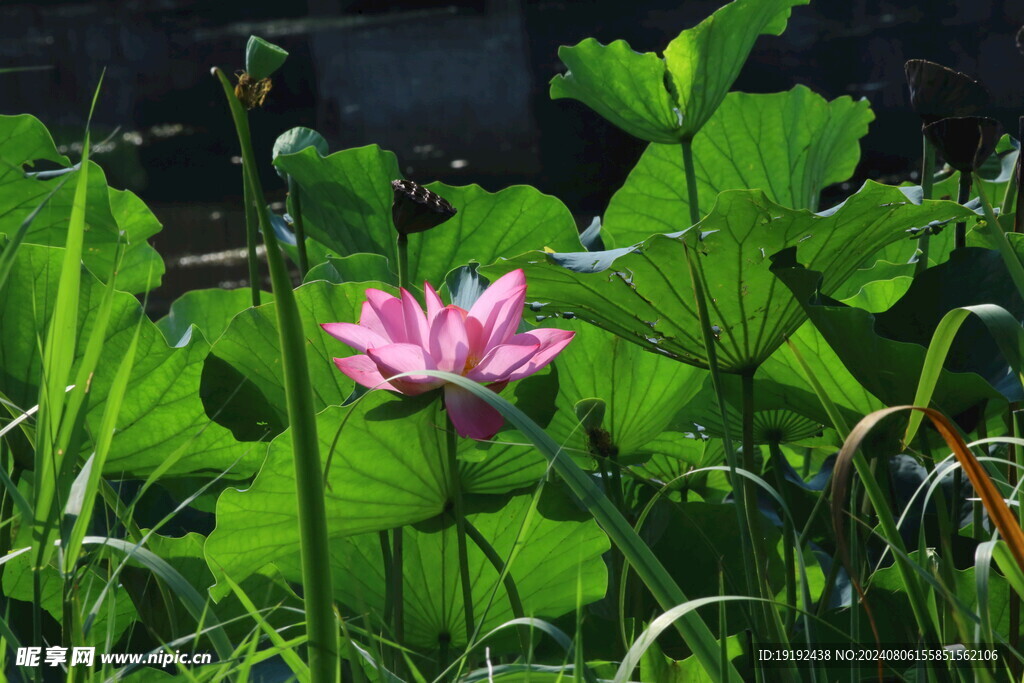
(938, 92)
(250, 92)
(964, 142)
(416, 209)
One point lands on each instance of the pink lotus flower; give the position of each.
(394, 336)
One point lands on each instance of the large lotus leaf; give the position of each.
(886, 351)
(780, 383)
(781, 389)
(210, 310)
(346, 197)
(383, 456)
(643, 293)
(109, 212)
(250, 347)
(559, 555)
(879, 295)
(789, 144)
(678, 454)
(641, 393)
(161, 414)
(346, 205)
(489, 226)
(668, 100)
(771, 425)
(354, 268)
(24, 140)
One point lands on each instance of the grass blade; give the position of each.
(994, 504)
(1003, 327)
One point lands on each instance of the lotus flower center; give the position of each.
(471, 362)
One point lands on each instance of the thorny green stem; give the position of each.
(403, 261)
(1018, 219)
(697, 281)
(459, 512)
(927, 183)
(398, 582)
(749, 494)
(788, 532)
(321, 628)
(251, 222)
(295, 192)
(963, 194)
(389, 593)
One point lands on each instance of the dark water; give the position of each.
(457, 89)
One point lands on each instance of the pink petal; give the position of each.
(434, 303)
(385, 315)
(476, 336)
(394, 359)
(551, 344)
(358, 337)
(500, 362)
(500, 308)
(369, 319)
(364, 371)
(472, 417)
(416, 329)
(449, 345)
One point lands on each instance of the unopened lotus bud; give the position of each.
(416, 209)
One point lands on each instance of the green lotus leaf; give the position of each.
(789, 144)
(771, 425)
(383, 457)
(558, 556)
(297, 139)
(669, 99)
(250, 348)
(886, 351)
(354, 268)
(780, 383)
(678, 454)
(111, 215)
(161, 415)
(346, 205)
(780, 387)
(23, 141)
(641, 392)
(643, 293)
(210, 310)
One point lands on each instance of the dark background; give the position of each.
(457, 88)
